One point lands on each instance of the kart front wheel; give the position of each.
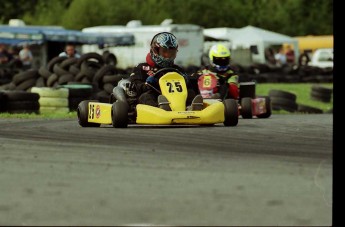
(83, 112)
(120, 114)
(230, 112)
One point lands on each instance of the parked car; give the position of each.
(322, 58)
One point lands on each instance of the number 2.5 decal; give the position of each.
(174, 86)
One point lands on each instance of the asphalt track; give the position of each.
(275, 171)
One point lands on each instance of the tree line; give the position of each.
(289, 17)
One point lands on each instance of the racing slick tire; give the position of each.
(119, 114)
(246, 108)
(268, 108)
(83, 111)
(230, 112)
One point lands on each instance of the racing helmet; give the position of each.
(163, 49)
(219, 56)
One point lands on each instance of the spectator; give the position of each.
(280, 57)
(12, 50)
(269, 56)
(70, 52)
(290, 55)
(5, 57)
(26, 57)
(304, 58)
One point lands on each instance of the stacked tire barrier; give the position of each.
(19, 102)
(77, 93)
(91, 69)
(283, 100)
(52, 100)
(22, 81)
(320, 93)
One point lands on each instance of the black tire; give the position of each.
(74, 69)
(3, 101)
(53, 61)
(44, 72)
(119, 114)
(40, 82)
(74, 102)
(65, 64)
(26, 75)
(308, 109)
(323, 97)
(282, 94)
(105, 70)
(108, 87)
(322, 90)
(90, 55)
(79, 90)
(64, 79)
(89, 68)
(25, 85)
(23, 105)
(82, 112)
(20, 96)
(283, 103)
(230, 112)
(109, 58)
(58, 70)
(246, 108)
(52, 79)
(268, 108)
(114, 79)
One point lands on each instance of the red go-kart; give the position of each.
(249, 105)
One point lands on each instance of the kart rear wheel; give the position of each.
(83, 111)
(119, 114)
(268, 108)
(246, 108)
(230, 112)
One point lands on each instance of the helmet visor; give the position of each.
(167, 53)
(221, 61)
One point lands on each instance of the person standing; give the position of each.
(290, 55)
(5, 57)
(70, 52)
(280, 57)
(26, 57)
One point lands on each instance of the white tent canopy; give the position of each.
(245, 37)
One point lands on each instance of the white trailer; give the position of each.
(190, 38)
(250, 43)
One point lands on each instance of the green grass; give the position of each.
(301, 90)
(40, 116)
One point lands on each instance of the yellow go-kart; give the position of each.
(172, 85)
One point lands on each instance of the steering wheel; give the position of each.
(161, 72)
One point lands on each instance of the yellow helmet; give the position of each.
(220, 57)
